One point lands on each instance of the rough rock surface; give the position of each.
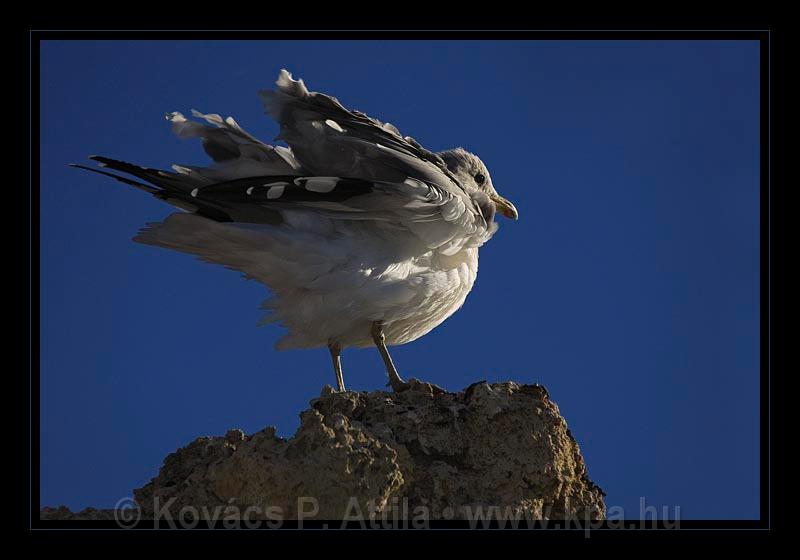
(502, 446)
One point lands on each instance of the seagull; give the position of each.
(362, 236)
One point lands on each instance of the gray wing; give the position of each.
(341, 164)
(411, 186)
(236, 153)
(329, 139)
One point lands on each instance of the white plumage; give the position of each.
(361, 234)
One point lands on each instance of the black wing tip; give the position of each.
(80, 166)
(103, 159)
(120, 178)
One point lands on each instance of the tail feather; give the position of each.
(181, 189)
(167, 180)
(236, 155)
(172, 188)
(120, 178)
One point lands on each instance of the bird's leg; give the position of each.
(395, 380)
(336, 356)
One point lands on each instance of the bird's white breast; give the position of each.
(410, 297)
(331, 280)
(442, 287)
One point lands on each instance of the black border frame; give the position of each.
(771, 281)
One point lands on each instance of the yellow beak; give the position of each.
(505, 207)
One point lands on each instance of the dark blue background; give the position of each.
(629, 287)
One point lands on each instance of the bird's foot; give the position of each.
(398, 386)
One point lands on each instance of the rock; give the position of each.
(422, 451)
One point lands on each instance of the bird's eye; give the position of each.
(480, 179)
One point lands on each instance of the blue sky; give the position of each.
(629, 287)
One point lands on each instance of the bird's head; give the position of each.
(473, 175)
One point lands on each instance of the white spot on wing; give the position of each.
(250, 190)
(194, 193)
(321, 184)
(334, 125)
(276, 191)
(287, 156)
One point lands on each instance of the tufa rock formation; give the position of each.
(502, 446)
